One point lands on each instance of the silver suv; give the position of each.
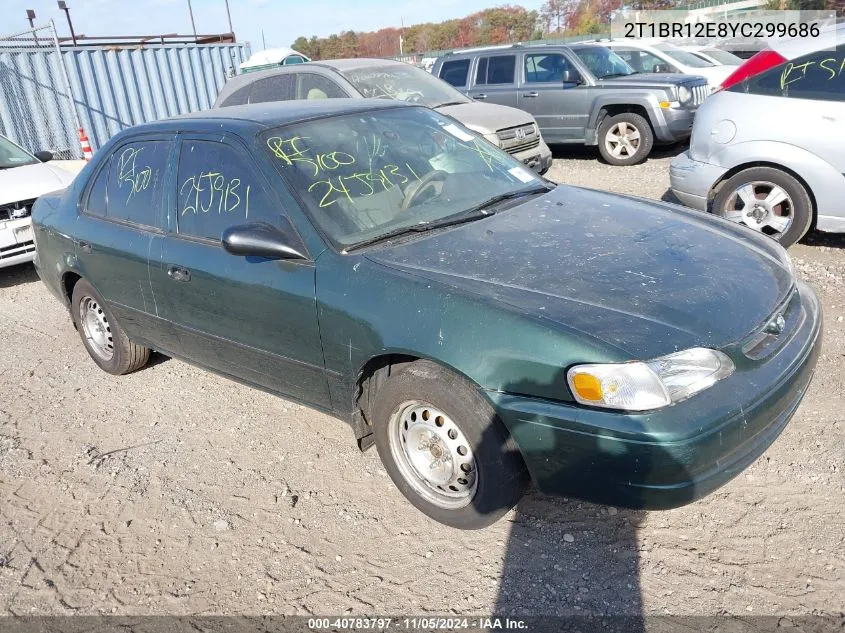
(583, 94)
(510, 129)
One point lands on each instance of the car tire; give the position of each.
(104, 340)
(451, 422)
(764, 182)
(619, 125)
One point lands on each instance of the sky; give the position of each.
(281, 20)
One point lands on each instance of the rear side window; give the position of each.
(496, 70)
(313, 86)
(238, 97)
(455, 72)
(819, 76)
(130, 187)
(218, 188)
(276, 88)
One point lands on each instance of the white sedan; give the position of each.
(23, 177)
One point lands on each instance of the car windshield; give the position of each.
(13, 156)
(683, 57)
(723, 57)
(364, 175)
(603, 62)
(404, 83)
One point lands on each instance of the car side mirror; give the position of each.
(43, 155)
(661, 68)
(572, 77)
(264, 240)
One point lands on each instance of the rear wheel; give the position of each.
(766, 200)
(445, 448)
(105, 341)
(625, 139)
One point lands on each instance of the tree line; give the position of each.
(501, 25)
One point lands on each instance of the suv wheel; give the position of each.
(625, 139)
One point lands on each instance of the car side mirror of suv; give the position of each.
(572, 77)
(260, 239)
(43, 155)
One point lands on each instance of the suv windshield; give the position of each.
(603, 62)
(364, 175)
(723, 57)
(683, 57)
(404, 83)
(13, 156)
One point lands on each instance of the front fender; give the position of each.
(646, 100)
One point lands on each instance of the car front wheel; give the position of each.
(104, 340)
(625, 139)
(766, 200)
(445, 448)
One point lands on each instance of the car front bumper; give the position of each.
(692, 180)
(538, 159)
(673, 456)
(676, 124)
(16, 244)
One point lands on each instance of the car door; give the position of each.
(559, 107)
(251, 318)
(120, 224)
(495, 80)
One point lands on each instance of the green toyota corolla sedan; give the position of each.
(481, 326)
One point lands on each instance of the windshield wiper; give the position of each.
(449, 103)
(611, 75)
(470, 215)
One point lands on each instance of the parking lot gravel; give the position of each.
(175, 491)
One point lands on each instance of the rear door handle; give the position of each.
(530, 94)
(480, 96)
(84, 246)
(176, 273)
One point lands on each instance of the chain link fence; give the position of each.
(37, 109)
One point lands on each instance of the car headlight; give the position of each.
(684, 94)
(645, 385)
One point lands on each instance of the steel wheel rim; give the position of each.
(433, 455)
(623, 140)
(96, 328)
(761, 206)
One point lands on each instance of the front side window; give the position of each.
(546, 68)
(495, 70)
(217, 188)
(640, 61)
(135, 182)
(819, 76)
(403, 82)
(313, 86)
(362, 175)
(455, 72)
(275, 88)
(603, 62)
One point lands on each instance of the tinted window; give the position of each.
(96, 203)
(293, 59)
(313, 86)
(135, 182)
(276, 88)
(496, 70)
(546, 68)
(217, 188)
(819, 75)
(455, 72)
(239, 97)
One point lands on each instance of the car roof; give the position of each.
(357, 62)
(258, 116)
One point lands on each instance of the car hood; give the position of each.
(647, 80)
(30, 181)
(645, 278)
(715, 75)
(486, 118)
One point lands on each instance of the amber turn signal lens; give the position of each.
(587, 386)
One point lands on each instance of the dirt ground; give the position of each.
(175, 491)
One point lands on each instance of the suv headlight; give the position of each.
(684, 95)
(645, 385)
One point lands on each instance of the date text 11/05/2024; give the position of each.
(427, 623)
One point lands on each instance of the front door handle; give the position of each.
(84, 246)
(480, 96)
(177, 273)
(531, 94)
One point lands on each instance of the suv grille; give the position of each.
(519, 138)
(699, 94)
(16, 210)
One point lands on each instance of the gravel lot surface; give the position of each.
(175, 491)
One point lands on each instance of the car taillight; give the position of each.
(756, 64)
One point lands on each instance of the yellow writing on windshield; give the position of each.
(361, 184)
(290, 152)
(211, 191)
(830, 68)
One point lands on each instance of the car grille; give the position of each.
(699, 94)
(519, 138)
(16, 249)
(16, 210)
